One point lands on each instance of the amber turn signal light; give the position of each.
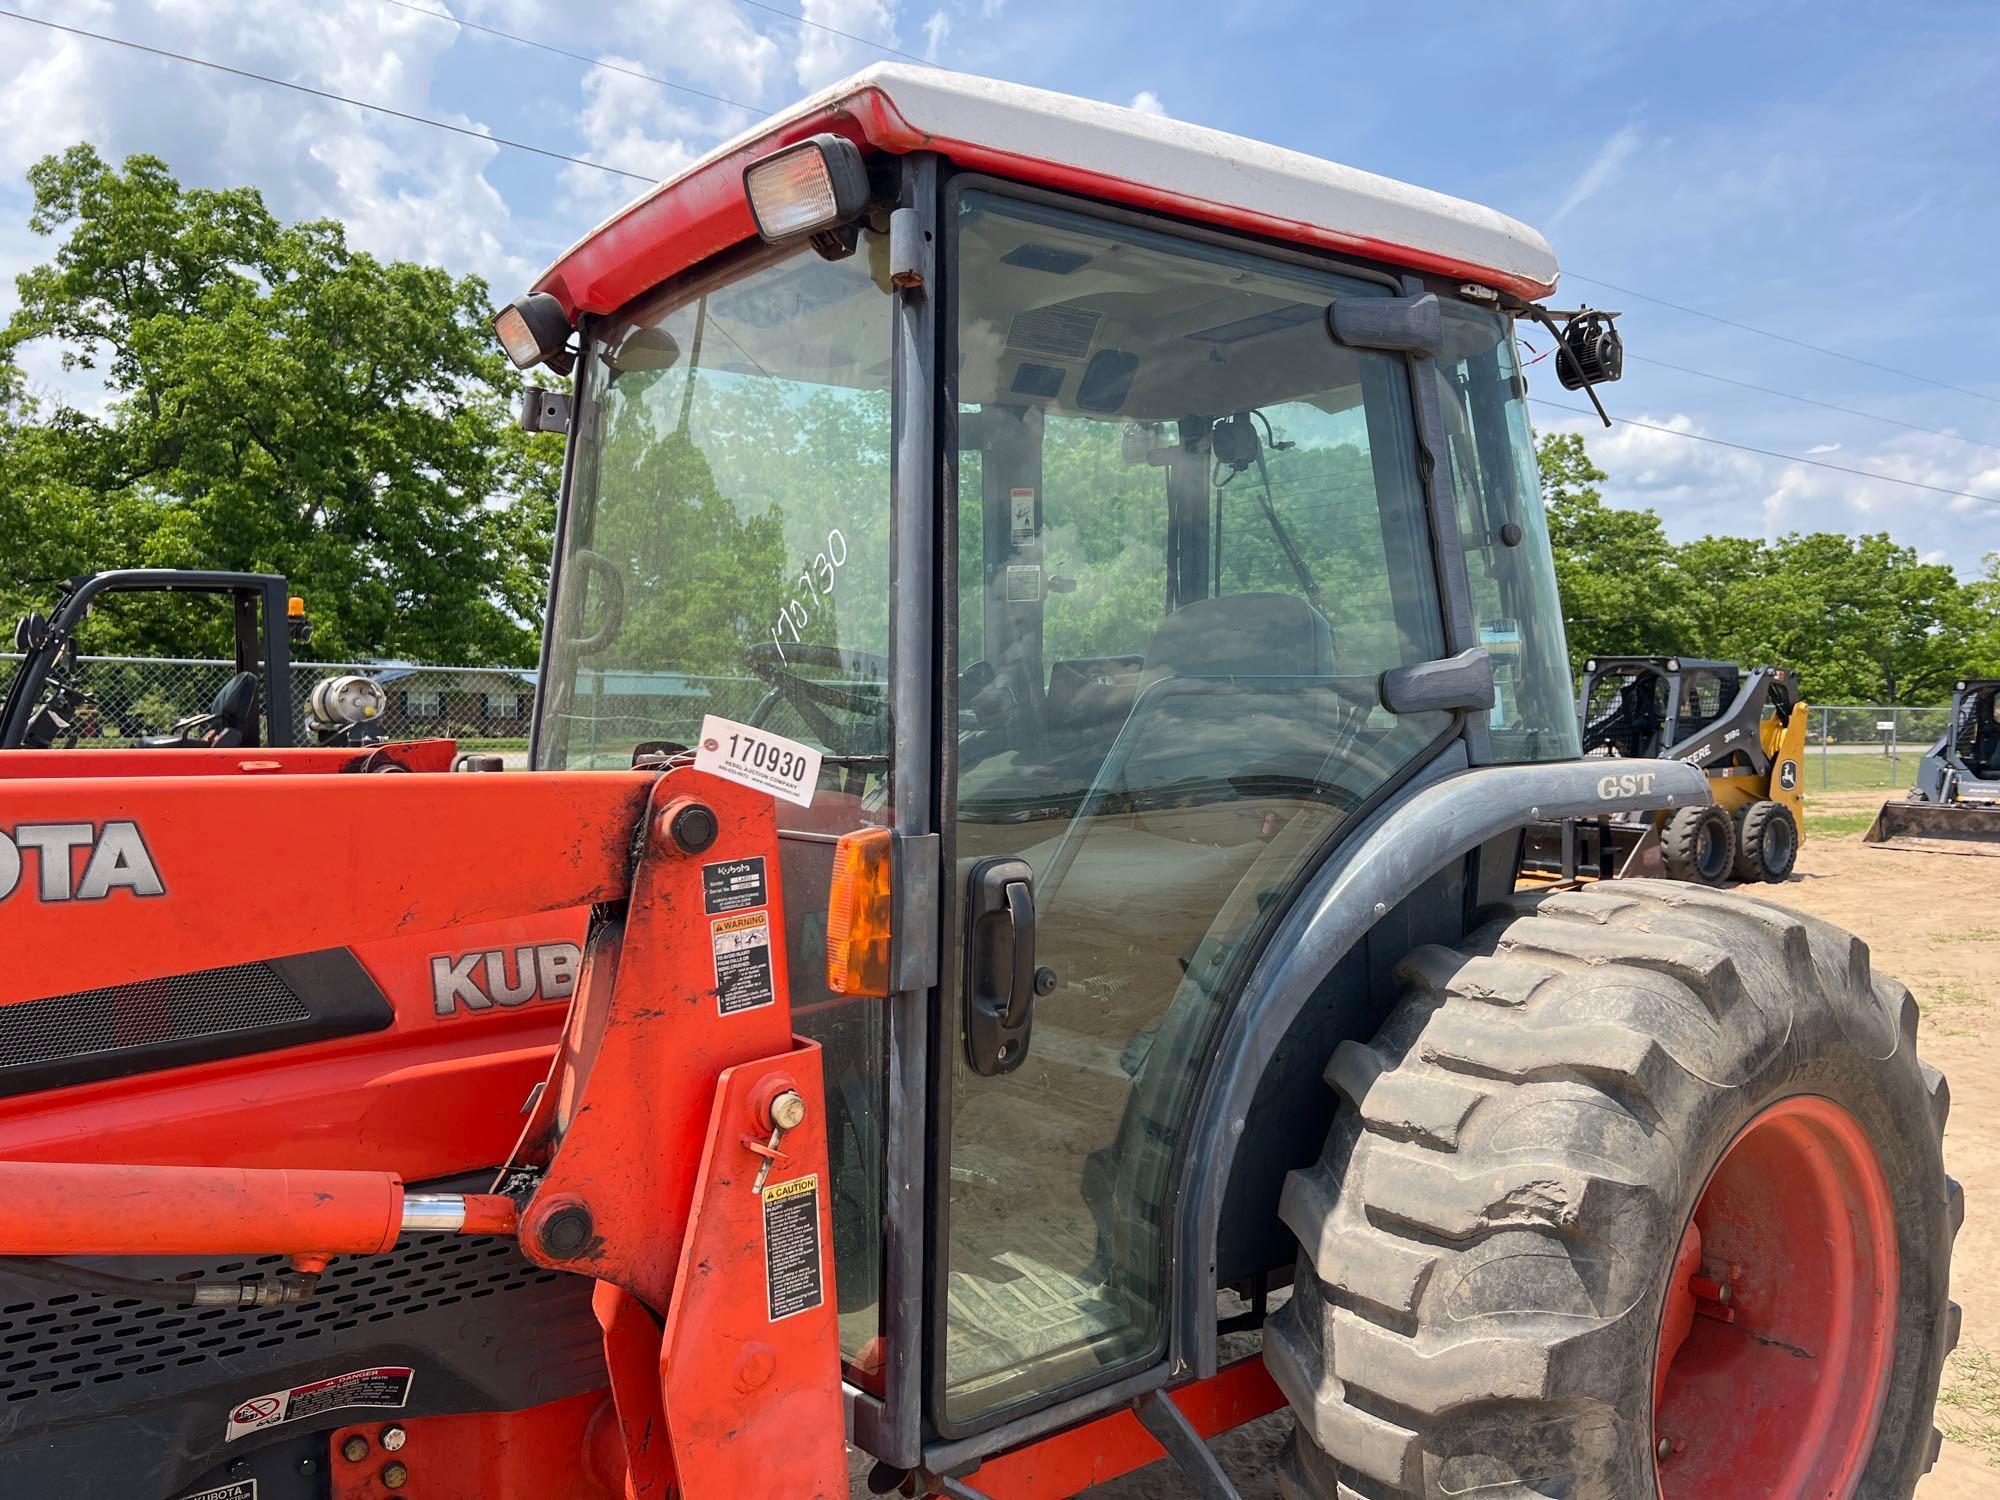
(857, 915)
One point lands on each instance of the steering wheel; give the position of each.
(811, 699)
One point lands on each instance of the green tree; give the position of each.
(1982, 651)
(1621, 590)
(277, 402)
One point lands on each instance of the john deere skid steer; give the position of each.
(1015, 882)
(1745, 727)
(1957, 796)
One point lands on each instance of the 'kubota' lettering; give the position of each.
(118, 860)
(512, 976)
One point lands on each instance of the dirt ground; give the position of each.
(1933, 920)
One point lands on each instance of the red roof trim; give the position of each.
(705, 212)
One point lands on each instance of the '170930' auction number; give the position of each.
(817, 588)
(765, 756)
(755, 757)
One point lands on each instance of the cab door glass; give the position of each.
(1191, 537)
(1504, 530)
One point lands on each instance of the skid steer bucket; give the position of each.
(1944, 827)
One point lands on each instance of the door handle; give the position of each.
(1000, 970)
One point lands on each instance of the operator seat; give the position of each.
(231, 720)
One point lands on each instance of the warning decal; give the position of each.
(241, 1489)
(732, 884)
(384, 1385)
(791, 1247)
(742, 962)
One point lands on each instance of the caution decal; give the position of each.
(793, 1281)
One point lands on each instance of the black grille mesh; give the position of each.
(70, 1340)
(209, 1002)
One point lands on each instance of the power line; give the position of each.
(300, 88)
(836, 31)
(595, 62)
(1784, 338)
(1811, 401)
(1790, 458)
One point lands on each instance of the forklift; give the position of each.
(47, 701)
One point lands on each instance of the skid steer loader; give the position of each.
(1102, 919)
(1745, 727)
(1956, 800)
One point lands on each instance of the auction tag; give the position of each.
(757, 758)
(384, 1385)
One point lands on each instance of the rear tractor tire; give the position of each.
(1698, 845)
(1638, 1193)
(1767, 843)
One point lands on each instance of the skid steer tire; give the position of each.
(1767, 843)
(1494, 1244)
(1698, 845)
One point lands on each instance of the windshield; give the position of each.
(725, 550)
(726, 547)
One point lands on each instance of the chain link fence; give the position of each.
(483, 708)
(1855, 746)
(1870, 748)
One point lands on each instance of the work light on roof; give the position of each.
(803, 189)
(534, 330)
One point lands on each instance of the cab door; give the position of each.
(1190, 537)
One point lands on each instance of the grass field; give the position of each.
(1860, 770)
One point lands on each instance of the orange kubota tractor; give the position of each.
(1015, 882)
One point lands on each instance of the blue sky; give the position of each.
(1823, 170)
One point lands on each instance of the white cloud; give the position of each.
(823, 56)
(635, 126)
(1603, 169)
(1148, 103)
(937, 30)
(1699, 487)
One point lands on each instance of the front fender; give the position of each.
(1377, 866)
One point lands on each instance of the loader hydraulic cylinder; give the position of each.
(83, 1208)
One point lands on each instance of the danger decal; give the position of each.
(742, 947)
(383, 1385)
(793, 1282)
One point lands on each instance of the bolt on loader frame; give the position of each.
(1051, 653)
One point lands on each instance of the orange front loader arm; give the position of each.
(677, 1152)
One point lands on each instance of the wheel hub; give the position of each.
(1779, 1325)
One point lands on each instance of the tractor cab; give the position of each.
(62, 694)
(1119, 528)
(1052, 651)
